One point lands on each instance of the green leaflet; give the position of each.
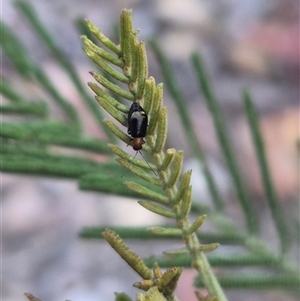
(195, 225)
(157, 209)
(126, 253)
(160, 198)
(151, 295)
(102, 38)
(165, 231)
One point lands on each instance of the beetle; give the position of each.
(137, 125)
(137, 122)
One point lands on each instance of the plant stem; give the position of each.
(201, 264)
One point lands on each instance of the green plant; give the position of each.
(25, 148)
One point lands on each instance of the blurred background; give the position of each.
(245, 44)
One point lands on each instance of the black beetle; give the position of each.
(137, 125)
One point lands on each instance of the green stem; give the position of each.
(209, 278)
(200, 262)
(270, 192)
(31, 108)
(253, 281)
(142, 234)
(225, 143)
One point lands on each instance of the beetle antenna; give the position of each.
(133, 159)
(147, 162)
(129, 165)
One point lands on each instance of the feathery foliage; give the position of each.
(131, 58)
(27, 147)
